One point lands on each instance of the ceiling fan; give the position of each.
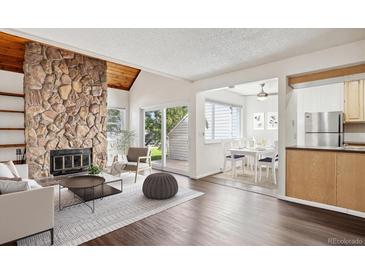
(262, 95)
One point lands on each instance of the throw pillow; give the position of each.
(5, 171)
(11, 186)
(12, 168)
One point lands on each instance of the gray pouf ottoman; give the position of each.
(160, 186)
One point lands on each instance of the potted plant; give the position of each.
(95, 170)
(125, 139)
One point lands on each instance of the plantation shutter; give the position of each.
(222, 121)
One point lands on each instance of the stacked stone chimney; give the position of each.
(65, 105)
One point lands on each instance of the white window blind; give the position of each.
(222, 121)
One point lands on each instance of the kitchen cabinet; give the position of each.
(331, 177)
(311, 175)
(351, 180)
(354, 101)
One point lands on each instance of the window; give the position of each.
(115, 123)
(222, 121)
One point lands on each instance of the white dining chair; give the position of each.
(269, 162)
(227, 145)
(249, 160)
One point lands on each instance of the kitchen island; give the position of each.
(329, 175)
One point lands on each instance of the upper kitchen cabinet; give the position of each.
(354, 101)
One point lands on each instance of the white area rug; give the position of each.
(76, 225)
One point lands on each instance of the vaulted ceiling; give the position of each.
(194, 54)
(12, 56)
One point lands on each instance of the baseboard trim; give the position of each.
(324, 206)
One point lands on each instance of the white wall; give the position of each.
(11, 82)
(253, 106)
(211, 153)
(317, 99)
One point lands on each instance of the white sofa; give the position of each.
(26, 213)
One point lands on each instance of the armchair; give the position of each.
(138, 159)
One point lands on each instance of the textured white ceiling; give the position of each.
(252, 88)
(194, 54)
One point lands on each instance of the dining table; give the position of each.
(256, 153)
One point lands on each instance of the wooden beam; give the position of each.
(327, 74)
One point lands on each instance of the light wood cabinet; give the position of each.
(351, 181)
(328, 177)
(354, 101)
(311, 175)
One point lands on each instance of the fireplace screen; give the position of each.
(67, 161)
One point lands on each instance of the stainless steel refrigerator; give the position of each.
(324, 129)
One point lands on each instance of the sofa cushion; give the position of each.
(5, 171)
(7, 186)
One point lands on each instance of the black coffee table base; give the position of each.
(90, 194)
(99, 192)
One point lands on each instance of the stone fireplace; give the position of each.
(65, 105)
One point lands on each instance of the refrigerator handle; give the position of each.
(339, 130)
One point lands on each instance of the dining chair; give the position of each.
(269, 162)
(227, 145)
(138, 159)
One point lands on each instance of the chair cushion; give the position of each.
(135, 152)
(235, 156)
(267, 160)
(133, 166)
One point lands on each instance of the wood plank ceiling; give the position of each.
(12, 50)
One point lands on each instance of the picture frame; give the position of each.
(272, 121)
(259, 121)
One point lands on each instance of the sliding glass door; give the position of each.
(166, 132)
(153, 135)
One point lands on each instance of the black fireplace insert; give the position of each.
(66, 161)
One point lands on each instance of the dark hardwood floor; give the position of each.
(230, 216)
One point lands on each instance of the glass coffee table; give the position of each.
(89, 188)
